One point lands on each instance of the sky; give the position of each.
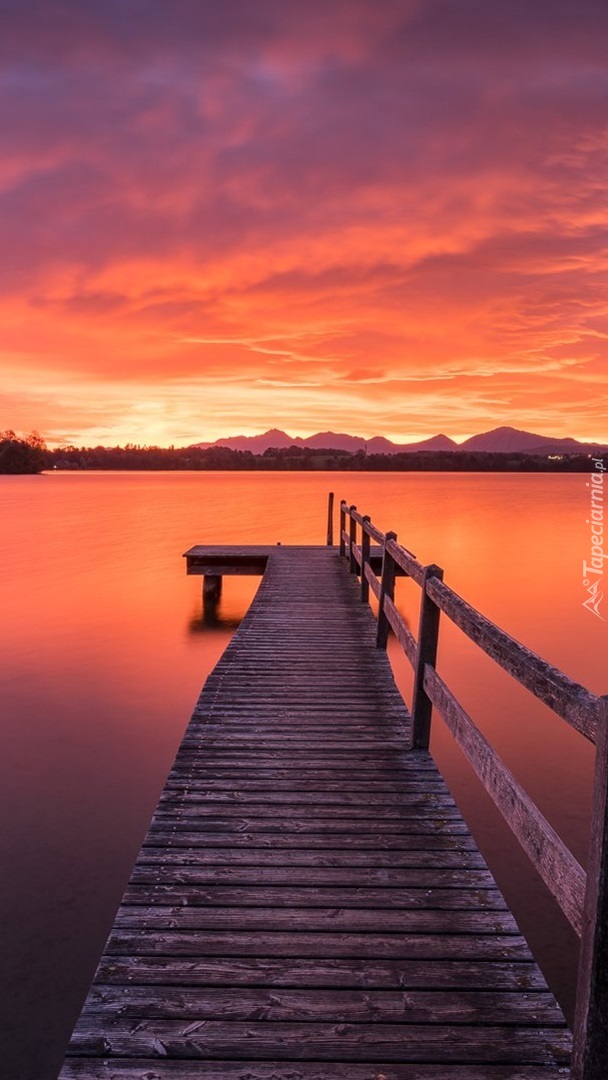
(386, 217)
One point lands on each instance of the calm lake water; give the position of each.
(104, 652)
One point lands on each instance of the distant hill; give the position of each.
(328, 440)
(257, 444)
(509, 440)
(501, 440)
(331, 440)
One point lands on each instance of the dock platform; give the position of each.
(308, 903)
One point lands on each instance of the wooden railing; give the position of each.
(583, 897)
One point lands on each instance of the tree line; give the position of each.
(30, 455)
(27, 455)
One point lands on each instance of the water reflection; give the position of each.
(99, 676)
(224, 602)
(212, 618)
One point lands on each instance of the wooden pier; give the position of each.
(308, 903)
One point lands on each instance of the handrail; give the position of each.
(406, 561)
(556, 865)
(582, 897)
(367, 526)
(574, 703)
(571, 701)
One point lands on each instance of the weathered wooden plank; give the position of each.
(413, 859)
(309, 705)
(290, 872)
(409, 859)
(302, 803)
(309, 724)
(155, 918)
(421, 804)
(235, 550)
(300, 1041)
(439, 823)
(238, 559)
(455, 838)
(275, 744)
(269, 800)
(377, 763)
(196, 764)
(372, 1069)
(520, 976)
(309, 896)
(254, 786)
(210, 568)
(444, 946)
(535, 1009)
(245, 786)
(260, 705)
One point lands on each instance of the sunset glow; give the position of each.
(387, 218)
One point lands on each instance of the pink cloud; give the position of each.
(407, 197)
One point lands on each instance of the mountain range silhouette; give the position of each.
(501, 440)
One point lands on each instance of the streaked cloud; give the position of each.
(389, 218)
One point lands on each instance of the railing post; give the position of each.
(342, 528)
(387, 588)
(353, 541)
(365, 546)
(330, 520)
(428, 635)
(590, 1048)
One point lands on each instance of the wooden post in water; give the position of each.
(590, 1049)
(342, 527)
(353, 541)
(330, 520)
(365, 546)
(212, 590)
(387, 588)
(428, 635)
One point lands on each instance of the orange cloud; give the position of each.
(385, 218)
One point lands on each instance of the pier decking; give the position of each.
(308, 903)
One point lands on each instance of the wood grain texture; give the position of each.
(308, 902)
(560, 871)
(370, 1069)
(426, 655)
(573, 702)
(590, 1050)
(402, 632)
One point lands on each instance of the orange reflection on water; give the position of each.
(105, 647)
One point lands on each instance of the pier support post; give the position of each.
(365, 546)
(330, 520)
(342, 528)
(353, 541)
(428, 635)
(590, 1049)
(387, 588)
(212, 590)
